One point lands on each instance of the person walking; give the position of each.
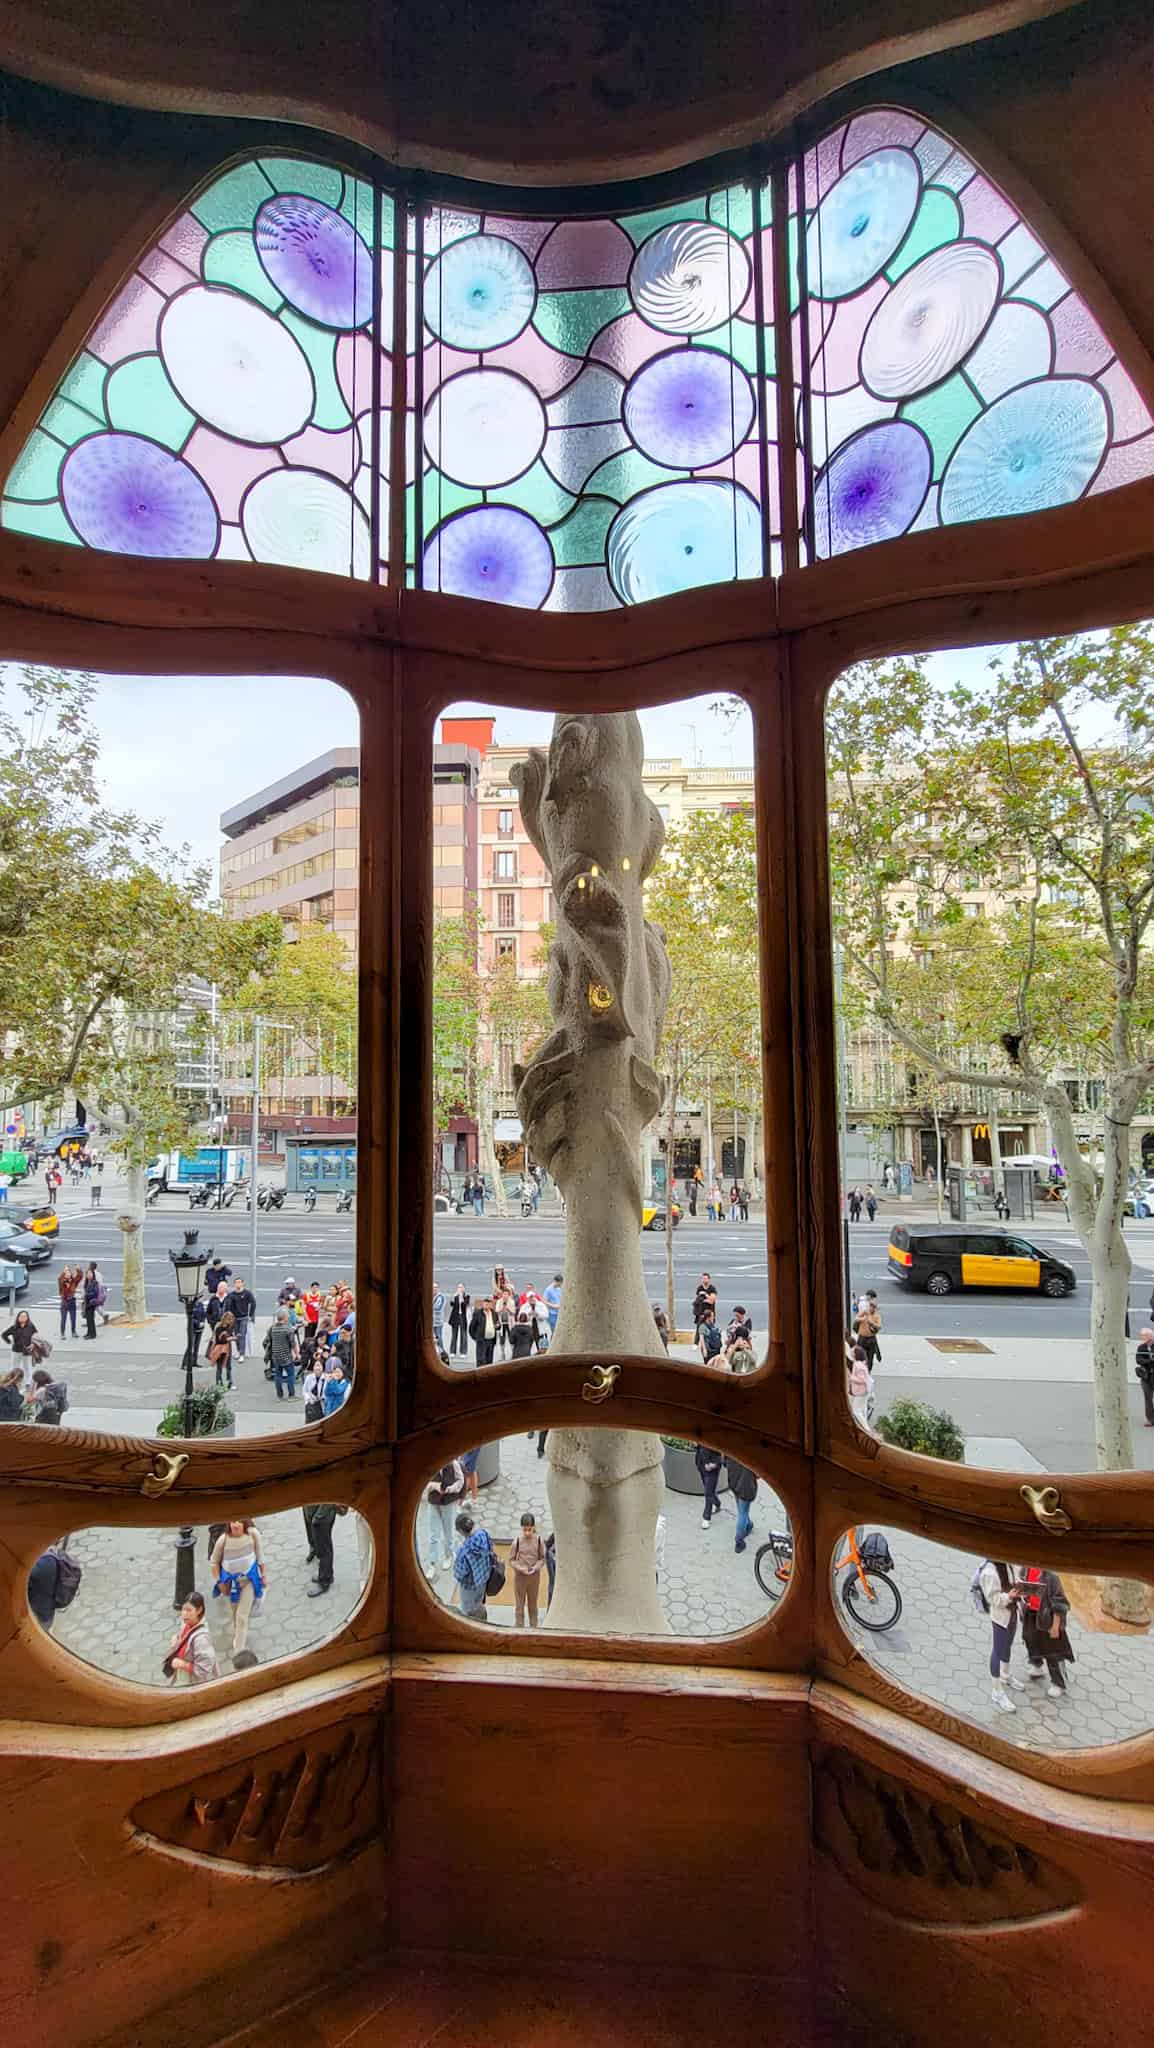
(283, 1349)
(478, 1196)
(459, 1320)
(704, 1298)
(69, 1282)
(214, 1273)
(439, 1307)
(469, 1468)
(709, 1339)
(743, 1487)
(472, 1567)
(734, 1203)
(999, 1595)
(871, 1202)
(861, 1385)
(319, 1521)
(691, 1188)
(220, 1349)
(718, 1200)
(1144, 1371)
(1043, 1606)
(483, 1331)
(743, 1201)
(94, 1299)
(199, 1320)
(708, 1463)
(866, 1325)
(854, 1202)
(527, 1561)
(552, 1300)
(442, 1504)
(241, 1303)
(191, 1658)
(661, 1323)
(239, 1574)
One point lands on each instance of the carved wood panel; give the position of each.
(294, 1808)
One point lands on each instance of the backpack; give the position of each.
(711, 1337)
(68, 1577)
(981, 1604)
(496, 1578)
(875, 1552)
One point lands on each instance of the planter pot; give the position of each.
(489, 1464)
(681, 1474)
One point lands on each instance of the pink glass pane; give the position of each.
(885, 128)
(129, 326)
(228, 467)
(527, 234)
(338, 454)
(835, 365)
(627, 343)
(531, 357)
(1080, 347)
(743, 467)
(185, 240)
(354, 361)
(1131, 416)
(986, 216)
(165, 273)
(1127, 464)
(581, 253)
(822, 167)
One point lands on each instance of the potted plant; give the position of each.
(681, 1474)
(211, 1415)
(915, 1426)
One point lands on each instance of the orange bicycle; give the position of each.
(869, 1595)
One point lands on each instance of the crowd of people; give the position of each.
(507, 1322)
(308, 1348)
(712, 1197)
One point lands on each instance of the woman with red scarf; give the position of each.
(1043, 1607)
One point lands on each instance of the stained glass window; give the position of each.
(592, 400)
(953, 374)
(224, 404)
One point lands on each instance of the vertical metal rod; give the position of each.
(375, 397)
(398, 479)
(418, 395)
(842, 1130)
(804, 367)
(257, 1029)
(783, 368)
(756, 185)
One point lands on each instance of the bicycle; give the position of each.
(869, 1595)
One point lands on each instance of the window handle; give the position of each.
(1046, 1503)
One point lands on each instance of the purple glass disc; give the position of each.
(126, 495)
(689, 408)
(493, 552)
(317, 259)
(872, 488)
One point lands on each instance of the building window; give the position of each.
(507, 950)
(505, 824)
(504, 867)
(506, 911)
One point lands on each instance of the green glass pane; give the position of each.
(443, 496)
(84, 385)
(937, 221)
(641, 225)
(388, 223)
(142, 401)
(733, 210)
(794, 242)
(231, 259)
(737, 338)
(68, 422)
(234, 199)
(539, 493)
(357, 207)
(410, 523)
(626, 474)
(292, 174)
(320, 346)
(580, 539)
(47, 522)
(569, 320)
(943, 415)
(36, 470)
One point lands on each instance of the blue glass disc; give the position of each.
(495, 552)
(1037, 446)
(479, 293)
(862, 221)
(680, 535)
(689, 408)
(872, 488)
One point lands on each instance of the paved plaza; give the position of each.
(122, 1618)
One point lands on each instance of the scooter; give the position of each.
(198, 1197)
(231, 1194)
(344, 1202)
(310, 1199)
(274, 1198)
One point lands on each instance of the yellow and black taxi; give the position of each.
(41, 1220)
(942, 1257)
(653, 1216)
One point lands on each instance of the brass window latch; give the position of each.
(599, 1386)
(167, 1467)
(1046, 1503)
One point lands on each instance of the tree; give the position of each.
(1038, 784)
(478, 1014)
(309, 988)
(702, 897)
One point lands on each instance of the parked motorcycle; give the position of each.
(231, 1194)
(344, 1202)
(198, 1198)
(310, 1199)
(270, 1198)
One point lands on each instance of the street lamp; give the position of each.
(188, 1264)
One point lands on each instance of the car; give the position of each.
(23, 1244)
(653, 1215)
(42, 1221)
(941, 1257)
(13, 1278)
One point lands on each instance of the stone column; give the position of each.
(585, 1098)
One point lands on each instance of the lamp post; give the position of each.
(188, 1264)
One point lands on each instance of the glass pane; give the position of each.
(223, 404)
(1015, 1648)
(214, 1599)
(992, 849)
(542, 953)
(627, 1551)
(953, 372)
(594, 396)
(181, 933)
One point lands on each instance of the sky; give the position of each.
(180, 750)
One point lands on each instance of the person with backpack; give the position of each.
(442, 1503)
(867, 1324)
(473, 1567)
(49, 1397)
(995, 1593)
(1144, 1371)
(53, 1583)
(709, 1339)
(743, 1487)
(527, 1561)
(281, 1349)
(191, 1658)
(708, 1463)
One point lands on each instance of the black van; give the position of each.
(942, 1257)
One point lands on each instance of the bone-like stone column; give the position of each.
(585, 1099)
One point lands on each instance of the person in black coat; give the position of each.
(743, 1487)
(1043, 1607)
(459, 1320)
(522, 1335)
(708, 1464)
(1144, 1370)
(483, 1330)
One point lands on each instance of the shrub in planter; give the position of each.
(679, 1443)
(680, 1470)
(211, 1414)
(915, 1426)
